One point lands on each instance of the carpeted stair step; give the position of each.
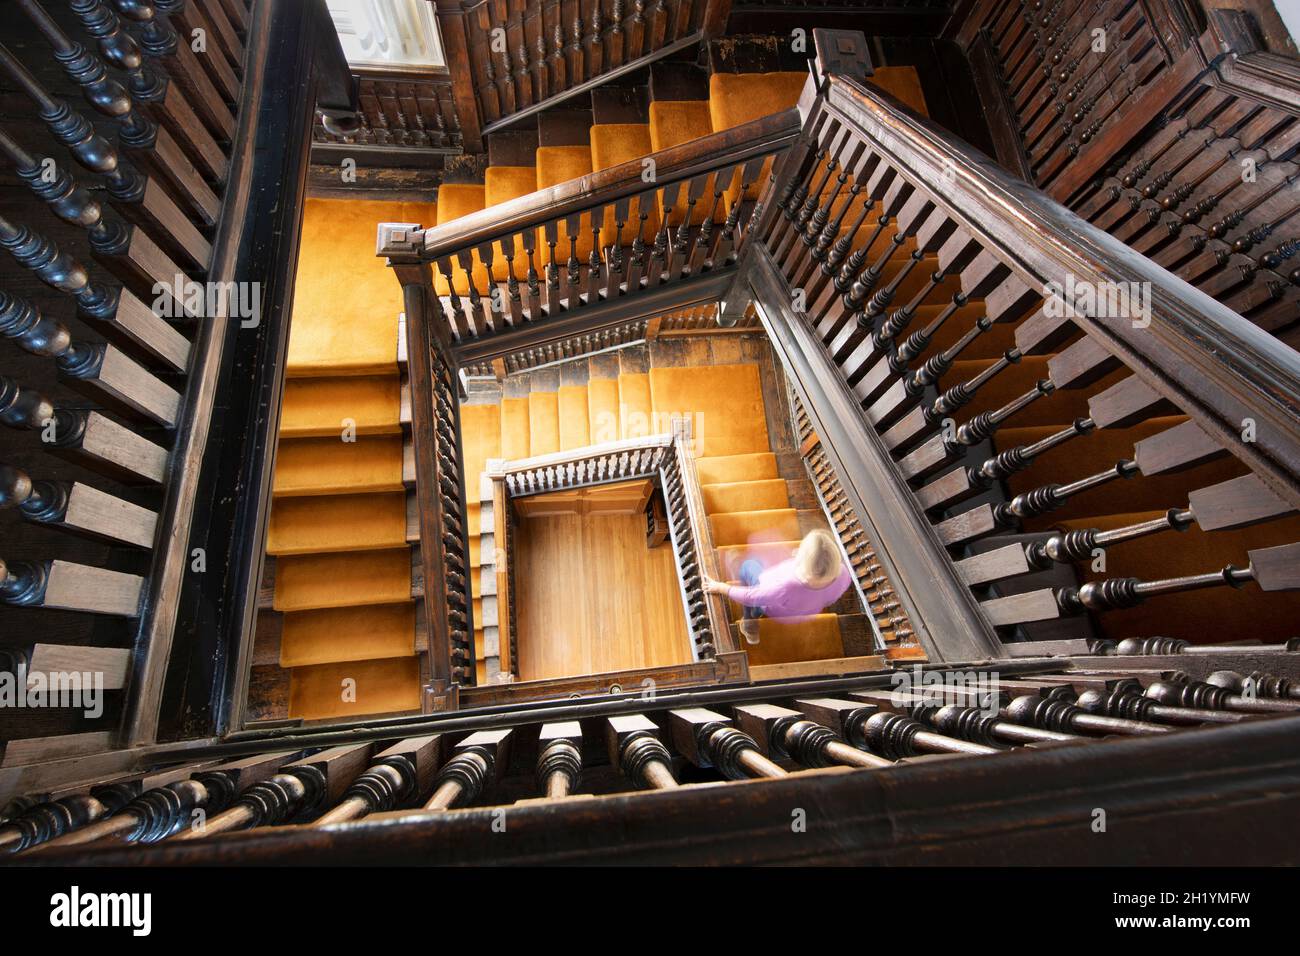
(515, 430)
(332, 635)
(748, 527)
(330, 466)
(635, 413)
(315, 581)
(760, 495)
(337, 523)
(573, 409)
(456, 200)
(752, 466)
(768, 553)
(330, 285)
(809, 639)
(325, 407)
(355, 688)
(543, 423)
(724, 403)
(602, 410)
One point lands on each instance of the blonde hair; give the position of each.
(818, 562)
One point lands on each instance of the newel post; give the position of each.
(448, 630)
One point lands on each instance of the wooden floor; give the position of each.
(592, 598)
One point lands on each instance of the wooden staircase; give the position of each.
(758, 499)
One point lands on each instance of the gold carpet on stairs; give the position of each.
(331, 635)
(673, 122)
(333, 407)
(635, 415)
(345, 579)
(355, 688)
(456, 200)
(572, 407)
(602, 410)
(543, 423)
(329, 466)
(723, 402)
(337, 523)
(345, 305)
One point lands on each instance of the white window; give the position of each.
(388, 34)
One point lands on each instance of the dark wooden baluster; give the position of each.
(100, 370)
(159, 40)
(559, 758)
(77, 508)
(191, 23)
(477, 760)
(299, 789)
(708, 739)
(1256, 684)
(614, 254)
(782, 732)
(573, 268)
(159, 812)
(397, 777)
(636, 748)
(154, 89)
(967, 713)
(529, 239)
(594, 263)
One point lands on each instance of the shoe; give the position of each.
(749, 630)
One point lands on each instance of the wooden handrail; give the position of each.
(1206, 358)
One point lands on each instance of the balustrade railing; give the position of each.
(142, 279)
(957, 327)
(597, 251)
(665, 458)
(665, 760)
(519, 57)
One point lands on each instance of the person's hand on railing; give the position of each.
(716, 587)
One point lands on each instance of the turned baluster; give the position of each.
(859, 329)
(1255, 684)
(29, 409)
(153, 147)
(1059, 714)
(1047, 498)
(1272, 569)
(45, 502)
(971, 714)
(559, 758)
(159, 812)
(782, 732)
(477, 760)
(1124, 698)
(48, 821)
(856, 292)
(1179, 690)
(23, 323)
(707, 739)
(297, 790)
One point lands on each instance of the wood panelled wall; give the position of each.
(1179, 136)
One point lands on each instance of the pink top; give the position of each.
(782, 595)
